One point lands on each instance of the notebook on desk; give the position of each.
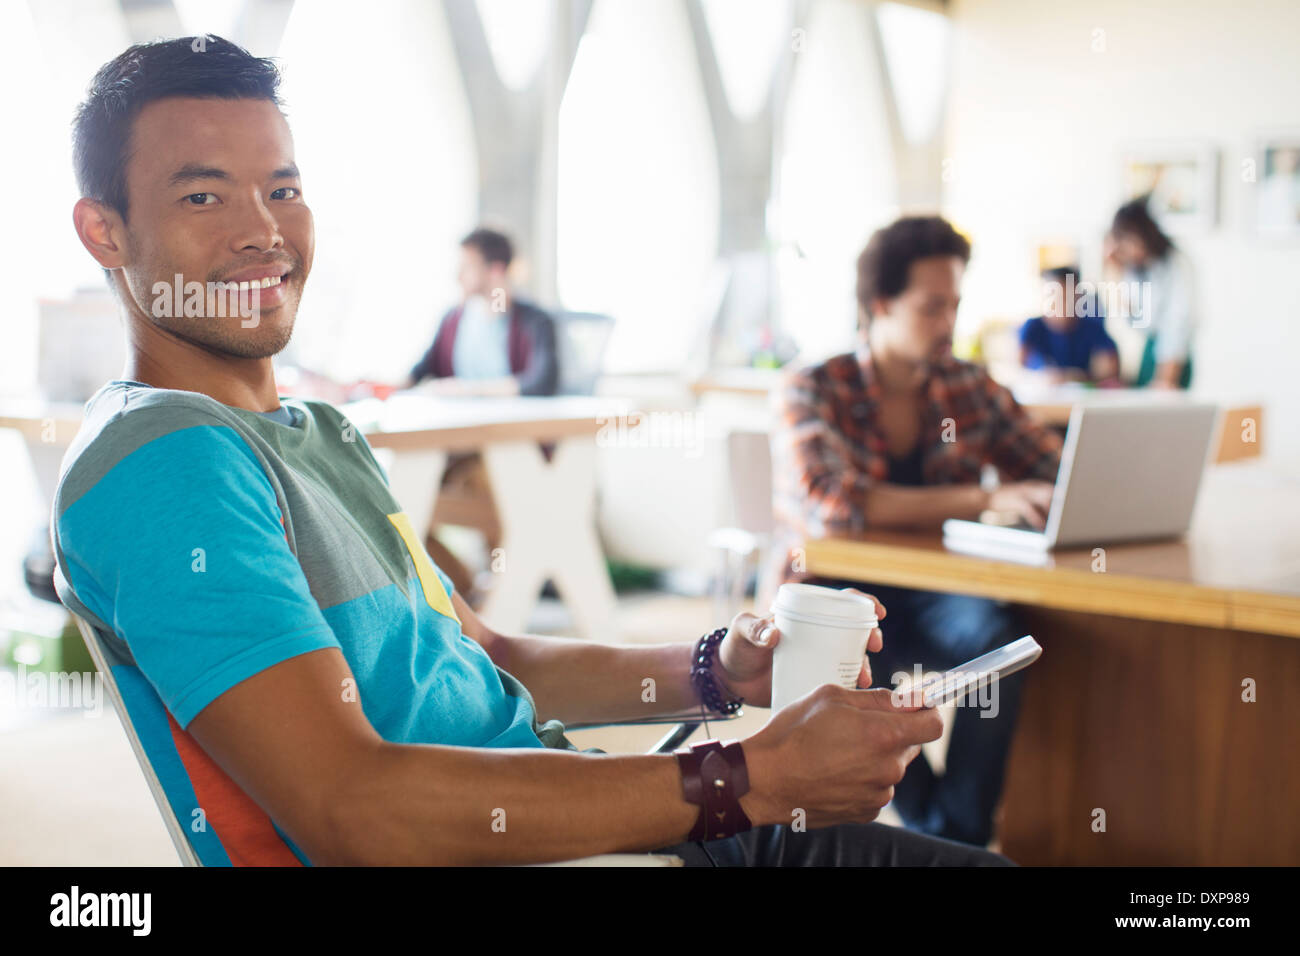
(1128, 473)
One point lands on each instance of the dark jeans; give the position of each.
(940, 631)
(849, 844)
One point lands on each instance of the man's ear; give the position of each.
(102, 231)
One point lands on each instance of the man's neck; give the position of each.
(895, 373)
(167, 362)
(507, 301)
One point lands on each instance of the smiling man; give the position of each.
(304, 681)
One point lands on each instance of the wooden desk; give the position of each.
(1136, 705)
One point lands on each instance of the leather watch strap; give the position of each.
(715, 777)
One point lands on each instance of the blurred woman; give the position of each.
(1165, 306)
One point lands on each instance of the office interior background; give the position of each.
(703, 172)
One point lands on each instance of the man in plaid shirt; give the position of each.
(896, 435)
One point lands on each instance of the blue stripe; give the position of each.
(149, 718)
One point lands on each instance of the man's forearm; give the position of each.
(420, 804)
(580, 682)
(897, 506)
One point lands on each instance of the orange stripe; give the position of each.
(244, 828)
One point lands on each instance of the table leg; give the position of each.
(547, 512)
(413, 477)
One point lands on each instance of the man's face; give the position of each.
(921, 318)
(477, 276)
(214, 196)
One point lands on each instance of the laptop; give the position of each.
(1128, 473)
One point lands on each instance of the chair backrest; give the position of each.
(580, 341)
(749, 467)
(212, 822)
(174, 829)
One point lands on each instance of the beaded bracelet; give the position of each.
(702, 679)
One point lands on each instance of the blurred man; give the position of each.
(493, 343)
(895, 435)
(1065, 345)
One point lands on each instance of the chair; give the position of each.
(180, 839)
(580, 341)
(749, 471)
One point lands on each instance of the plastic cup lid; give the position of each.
(822, 605)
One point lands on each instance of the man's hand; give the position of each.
(834, 756)
(744, 660)
(1030, 500)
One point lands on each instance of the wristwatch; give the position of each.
(715, 777)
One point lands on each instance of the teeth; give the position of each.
(259, 283)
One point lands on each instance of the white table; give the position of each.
(547, 509)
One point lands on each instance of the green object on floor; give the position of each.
(631, 577)
(50, 653)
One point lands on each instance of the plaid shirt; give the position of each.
(828, 447)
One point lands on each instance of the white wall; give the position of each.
(1035, 126)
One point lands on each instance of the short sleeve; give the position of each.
(181, 547)
(819, 488)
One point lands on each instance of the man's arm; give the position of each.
(426, 368)
(305, 752)
(1022, 447)
(577, 681)
(541, 372)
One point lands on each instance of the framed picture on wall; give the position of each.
(1181, 179)
(1275, 188)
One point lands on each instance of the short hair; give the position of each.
(208, 67)
(493, 246)
(1134, 219)
(884, 263)
(1060, 274)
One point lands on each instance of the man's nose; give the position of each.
(258, 228)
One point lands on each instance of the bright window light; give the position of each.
(747, 37)
(390, 171)
(835, 177)
(916, 55)
(518, 32)
(217, 17)
(637, 189)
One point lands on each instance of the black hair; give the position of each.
(492, 245)
(884, 263)
(1134, 218)
(1060, 274)
(208, 66)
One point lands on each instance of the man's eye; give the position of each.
(297, 193)
(201, 199)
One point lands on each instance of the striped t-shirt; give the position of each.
(205, 543)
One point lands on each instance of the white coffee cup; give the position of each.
(824, 634)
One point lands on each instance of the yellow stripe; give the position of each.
(434, 592)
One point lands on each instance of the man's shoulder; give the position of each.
(530, 311)
(123, 417)
(959, 375)
(838, 368)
